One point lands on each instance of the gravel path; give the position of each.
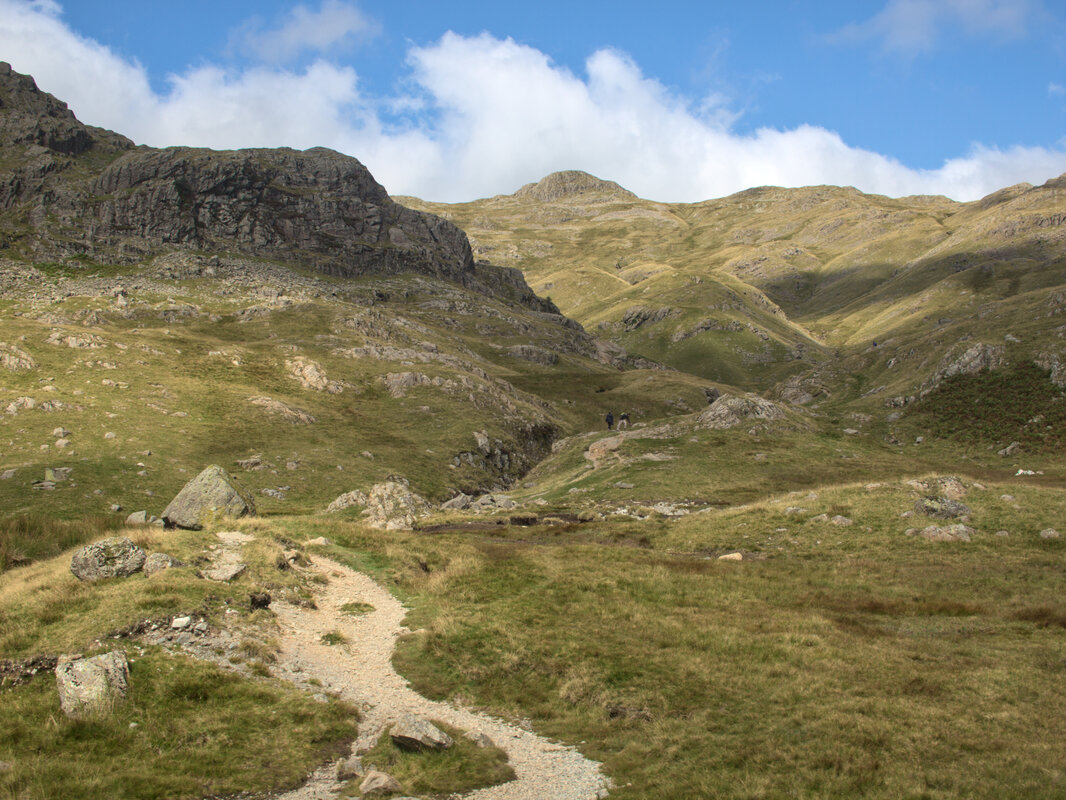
(360, 671)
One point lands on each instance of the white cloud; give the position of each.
(913, 27)
(334, 25)
(483, 116)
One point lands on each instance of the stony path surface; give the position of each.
(360, 671)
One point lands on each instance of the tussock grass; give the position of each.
(187, 730)
(832, 662)
(30, 537)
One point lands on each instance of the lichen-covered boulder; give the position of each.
(392, 506)
(108, 558)
(211, 494)
(92, 685)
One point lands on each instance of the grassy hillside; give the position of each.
(769, 284)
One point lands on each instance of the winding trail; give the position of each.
(360, 671)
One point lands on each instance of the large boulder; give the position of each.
(93, 685)
(415, 733)
(108, 558)
(212, 493)
(392, 506)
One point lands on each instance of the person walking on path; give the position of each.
(623, 420)
(609, 419)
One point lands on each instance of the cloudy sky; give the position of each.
(676, 100)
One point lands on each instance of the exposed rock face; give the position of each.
(317, 207)
(108, 558)
(94, 685)
(211, 493)
(974, 359)
(728, 412)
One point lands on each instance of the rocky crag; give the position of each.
(70, 190)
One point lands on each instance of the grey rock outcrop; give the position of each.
(212, 493)
(347, 500)
(392, 506)
(89, 686)
(941, 508)
(415, 733)
(317, 208)
(729, 412)
(947, 533)
(108, 558)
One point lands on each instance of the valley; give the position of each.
(824, 559)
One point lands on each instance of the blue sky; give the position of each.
(675, 100)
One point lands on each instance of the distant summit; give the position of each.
(571, 183)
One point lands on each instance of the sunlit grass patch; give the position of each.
(186, 731)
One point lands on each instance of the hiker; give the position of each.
(623, 420)
(609, 419)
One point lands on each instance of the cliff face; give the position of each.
(67, 189)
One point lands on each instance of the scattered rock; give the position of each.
(297, 416)
(843, 522)
(1049, 533)
(946, 486)
(1010, 450)
(253, 463)
(479, 738)
(93, 685)
(180, 623)
(61, 433)
(458, 503)
(378, 784)
(319, 541)
(137, 518)
(225, 572)
(941, 508)
(624, 485)
(1002, 533)
(415, 733)
(211, 493)
(108, 558)
(949, 533)
(311, 376)
(350, 768)
(731, 557)
(7, 474)
(158, 562)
